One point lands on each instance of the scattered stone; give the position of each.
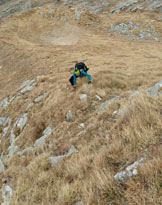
(30, 105)
(55, 160)
(83, 97)
(98, 97)
(3, 120)
(78, 14)
(104, 105)
(79, 203)
(81, 126)
(25, 150)
(135, 92)
(42, 139)
(18, 127)
(121, 110)
(7, 194)
(7, 124)
(39, 98)
(41, 13)
(52, 12)
(27, 86)
(27, 83)
(128, 30)
(156, 5)
(2, 168)
(0, 67)
(27, 89)
(69, 116)
(12, 149)
(122, 6)
(95, 9)
(130, 171)
(4, 104)
(156, 90)
(81, 133)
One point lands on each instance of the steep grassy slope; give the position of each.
(38, 46)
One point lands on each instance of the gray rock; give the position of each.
(41, 13)
(83, 97)
(98, 97)
(71, 151)
(25, 150)
(42, 139)
(78, 14)
(69, 116)
(122, 110)
(27, 89)
(7, 124)
(39, 98)
(3, 120)
(52, 12)
(7, 194)
(30, 105)
(79, 203)
(81, 126)
(27, 83)
(123, 5)
(156, 5)
(2, 167)
(156, 90)
(95, 9)
(55, 160)
(19, 124)
(130, 171)
(81, 133)
(12, 149)
(104, 105)
(4, 104)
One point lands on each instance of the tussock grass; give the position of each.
(110, 142)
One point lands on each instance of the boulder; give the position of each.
(12, 149)
(18, 127)
(130, 171)
(69, 116)
(39, 98)
(27, 83)
(7, 194)
(4, 104)
(42, 139)
(78, 14)
(20, 153)
(104, 105)
(56, 159)
(83, 97)
(3, 120)
(2, 167)
(156, 90)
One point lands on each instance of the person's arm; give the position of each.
(86, 74)
(74, 79)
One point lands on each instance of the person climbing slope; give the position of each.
(79, 72)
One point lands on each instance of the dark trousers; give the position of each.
(72, 80)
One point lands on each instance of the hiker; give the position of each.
(79, 72)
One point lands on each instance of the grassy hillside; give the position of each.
(44, 44)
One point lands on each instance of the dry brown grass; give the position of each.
(111, 142)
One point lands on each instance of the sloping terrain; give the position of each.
(121, 44)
